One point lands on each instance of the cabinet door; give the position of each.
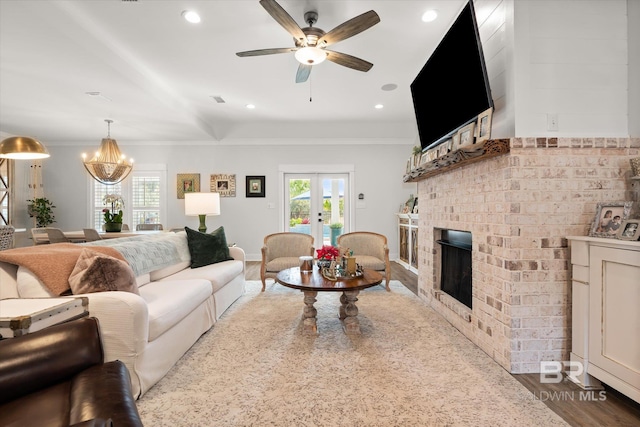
(614, 318)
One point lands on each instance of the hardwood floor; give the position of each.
(609, 409)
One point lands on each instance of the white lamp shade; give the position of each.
(310, 55)
(201, 204)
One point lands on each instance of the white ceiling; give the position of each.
(160, 72)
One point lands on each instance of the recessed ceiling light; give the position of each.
(429, 16)
(389, 86)
(191, 16)
(250, 106)
(379, 106)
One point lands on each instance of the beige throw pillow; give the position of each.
(97, 272)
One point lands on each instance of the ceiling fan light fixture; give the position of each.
(310, 55)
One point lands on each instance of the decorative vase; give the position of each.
(112, 227)
(334, 233)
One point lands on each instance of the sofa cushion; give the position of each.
(218, 274)
(206, 249)
(29, 286)
(168, 271)
(170, 301)
(97, 272)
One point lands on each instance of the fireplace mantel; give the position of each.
(455, 159)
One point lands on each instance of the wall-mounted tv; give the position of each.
(452, 88)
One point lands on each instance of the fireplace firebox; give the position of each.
(455, 267)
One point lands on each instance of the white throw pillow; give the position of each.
(29, 286)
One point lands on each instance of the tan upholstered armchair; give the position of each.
(370, 249)
(282, 251)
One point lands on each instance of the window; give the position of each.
(144, 194)
(6, 179)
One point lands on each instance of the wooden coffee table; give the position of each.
(310, 283)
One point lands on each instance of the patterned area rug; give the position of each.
(409, 367)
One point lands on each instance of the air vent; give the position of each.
(218, 99)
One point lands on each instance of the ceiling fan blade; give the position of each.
(260, 52)
(303, 73)
(349, 28)
(283, 18)
(348, 61)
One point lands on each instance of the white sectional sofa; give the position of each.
(176, 304)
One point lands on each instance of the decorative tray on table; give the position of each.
(337, 273)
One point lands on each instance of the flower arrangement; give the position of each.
(328, 253)
(117, 202)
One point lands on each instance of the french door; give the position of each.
(317, 204)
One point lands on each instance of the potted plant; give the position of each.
(42, 209)
(335, 230)
(113, 217)
(326, 254)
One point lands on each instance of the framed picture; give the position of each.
(187, 183)
(408, 166)
(455, 142)
(466, 135)
(255, 186)
(609, 218)
(444, 148)
(629, 230)
(225, 184)
(484, 125)
(424, 158)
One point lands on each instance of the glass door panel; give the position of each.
(316, 205)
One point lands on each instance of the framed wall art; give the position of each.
(484, 125)
(466, 135)
(223, 183)
(629, 230)
(187, 183)
(255, 186)
(609, 218)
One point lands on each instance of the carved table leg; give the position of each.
(349, 312)
(309, 313)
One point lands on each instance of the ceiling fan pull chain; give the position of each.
(310, 94)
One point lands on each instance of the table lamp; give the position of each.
(201, 205)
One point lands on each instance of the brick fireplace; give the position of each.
(519, 207)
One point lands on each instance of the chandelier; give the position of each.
(109, 166)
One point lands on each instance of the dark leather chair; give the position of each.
(56, 377)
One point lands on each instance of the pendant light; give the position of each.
(22, 147)
(109, 166)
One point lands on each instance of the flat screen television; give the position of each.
(452, 88)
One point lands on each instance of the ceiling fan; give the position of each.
(311, 42)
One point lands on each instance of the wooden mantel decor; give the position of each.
(455, 159)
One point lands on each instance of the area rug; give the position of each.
(409, 367)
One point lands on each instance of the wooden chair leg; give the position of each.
(388, 279)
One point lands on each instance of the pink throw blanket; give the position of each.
(53, 264)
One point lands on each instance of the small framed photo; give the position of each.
(466, 135)
(444, 148)
(609, 218)
(187, 183)
(255, 186)
(455, 142)
(225, 184)
(424, 158)
(629, 230)
(408, 166)
(484, 125)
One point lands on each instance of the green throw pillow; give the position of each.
(207, 249)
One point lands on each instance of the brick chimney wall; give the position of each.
(520, 207)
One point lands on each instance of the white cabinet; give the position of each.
(408, 241)
(606, 313)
